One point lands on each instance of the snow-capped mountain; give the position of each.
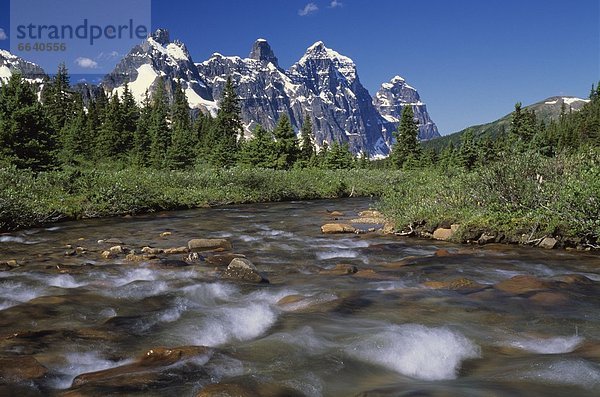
(10, 63)
(392, 97)
(157, 57)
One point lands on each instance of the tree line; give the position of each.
(56, 129)
(573, 131)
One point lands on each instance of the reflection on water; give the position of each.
(418, 318)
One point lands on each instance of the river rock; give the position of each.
(145, 370)
(111, 240)
(152, 251)
(333, 228)
(522, 284)
(549, 298)
(247, 388)
(176, 250)
(336, 213)
(108, 255)
(139, 258)
(340, 269)
(209, 244)
(459, 284)
(573, 279)
(165, 234)
(117, 249)
(443, 234)
(221, 260)
(21, 368)
(548, 243)
(244, 270)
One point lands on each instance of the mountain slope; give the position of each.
(9, 64)
(546, 110)
(159, 58)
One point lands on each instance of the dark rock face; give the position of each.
(261, 51)
(392, 97)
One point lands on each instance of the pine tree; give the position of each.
(307, 149)
(227, 128)
(286, 144)
(26, 138)
(140, 153)
(259, 151)
(75, 142)
(58, 98)
(339, 157)
(158, 129)
(406, 150)
(183, 139)
(468, 150)
(130, 113)
(109, 142)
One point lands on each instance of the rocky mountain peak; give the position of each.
(161, 36)
(262, 51)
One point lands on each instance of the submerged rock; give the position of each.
(339, 270)
(522, 284)
(459, 284)
(244, 270)
(247, 388)
(333, 228)
(146, 370)
(176, 250)
(209, 244)
(222, 259)
(21, 368)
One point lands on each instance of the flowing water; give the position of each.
(388, 330)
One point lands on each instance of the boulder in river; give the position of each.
(176, 250)
(209, 244)
(333, 228)
(443, 234)
(152, 251)
(548, 243)
(244, 270)
(145, 370)
(522, 284)
(221, 260)
(21, 368)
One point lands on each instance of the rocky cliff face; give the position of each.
(323, 84)
(10, 63)
(159, 58)
(392, 97)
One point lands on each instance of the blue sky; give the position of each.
(470, 60)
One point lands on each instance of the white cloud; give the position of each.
(3, 35)
(308, 9)
(86, 63)
(335, 4)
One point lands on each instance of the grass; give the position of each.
(526, 194)
(28, 199)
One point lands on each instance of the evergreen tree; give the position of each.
(307, 149)
(227, 128)
(259, 151)
(58, 99)
(109, 143)
(286, 144)
(158, 129)
(140, 155)
(26, 138)
(339, 157)
(75, 141)
(183, 138)
(129, 113)
(406, 151)
(468, 150)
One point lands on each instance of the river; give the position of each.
(419, 318)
